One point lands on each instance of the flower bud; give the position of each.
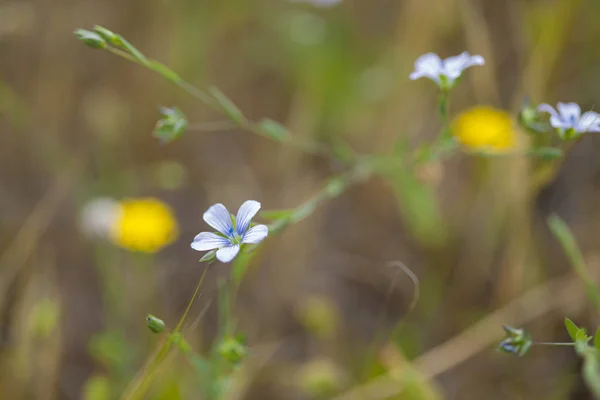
(232, 349)
(517, 341)
(156, 325)
(109, 36)
(92, 39)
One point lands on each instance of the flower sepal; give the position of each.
(517, 341)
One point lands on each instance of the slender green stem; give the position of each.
(305, 145)
(554, 344)
(141, 384)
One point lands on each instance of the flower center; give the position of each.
(235, 238)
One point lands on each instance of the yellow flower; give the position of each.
(483, 128)
(145, 225)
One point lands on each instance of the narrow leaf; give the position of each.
(597, 339)
(572, 329)
(564, 235)
(227, 105)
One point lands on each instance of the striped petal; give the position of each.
(256, 234)
(209, 241)
(245, 214)
(218, 217)
(226, 254)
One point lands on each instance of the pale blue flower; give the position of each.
(227, 243)
(567, 117)
(444, 72)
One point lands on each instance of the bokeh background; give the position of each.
(76, 124)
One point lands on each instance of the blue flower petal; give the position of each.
(569, 112)
(218, 217)
(589, 122)
(454, 66)
(256, 234)
(226, 254)
(547, 108)
(245, 214)
(209, 241)
(428, 65)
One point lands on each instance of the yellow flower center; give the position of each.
(145, 225)
(483, 128)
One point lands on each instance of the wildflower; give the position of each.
(138, 224)
(568, 120)
(484, 128)
(444, 72)
(517, 341)
(233, 233)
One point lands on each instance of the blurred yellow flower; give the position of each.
(484, 128)
(145, 225)
(138, 224)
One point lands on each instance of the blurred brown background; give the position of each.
(76, 123)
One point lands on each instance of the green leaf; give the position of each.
(273, 129)
(164, 71)
(201, 365)
(591, 372)
(210, 256)
(581, 336)
(121, 42)
(420, 208)
(547, 153)
(572, 329)
(227, 106)
(92, 39)
(240, 266)
(98, 387)
(597, 339)
(276, 214)
(564, 235)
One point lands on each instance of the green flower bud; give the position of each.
(108, 36)
(92, 39)
(156, 325)
(517, 341)
(171, 125)
(232, 349)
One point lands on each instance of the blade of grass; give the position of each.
(564, 235)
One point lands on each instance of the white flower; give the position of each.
(231, 238)
(444, 72)
(99, 216)
(567, 116)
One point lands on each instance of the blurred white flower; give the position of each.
(444, 72)
(567, 117)
(99, 216)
